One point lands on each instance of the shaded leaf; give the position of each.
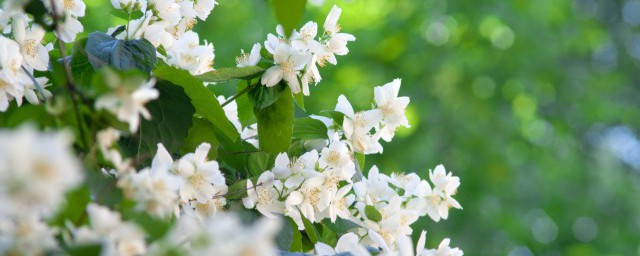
(275, 124)
(259, 162)
(289, 13)
(201, 131)
(103, 49)
(299, 100)
(310, 230)
(263, 96)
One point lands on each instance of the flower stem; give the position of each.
(245, 90)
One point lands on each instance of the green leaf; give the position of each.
(289, 13)
(81, 68)
(284, 239)
(124, 15)
(308, 128)
(226, 74)
(73, 209)
(103, 49)
(203, 99)
(275, 124)
(201, 131)
(310, 230)
(299, 100)
(237, 191)
(337, 117)
(263, 96)
(259, 162)
(372, 213)
(328, 236)
(296, 241)
(154, 227)
(84, 249)
(170, 121)
(341, 226)
(245, 107)
(39, 11)
(361, 158)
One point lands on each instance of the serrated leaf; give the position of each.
(372, 213)
(201, 131)
(289, 13)
(275, 124)
(262, 96)
(226, 74)
(202, 99)
(103, 49)
(308, 128)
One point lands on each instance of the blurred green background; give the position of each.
(534, 104)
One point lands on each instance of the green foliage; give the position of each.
(299, 98)
(84, 249)
(201, 131)
(170, 123)
(202, 99)
(259, 162)
(310, 230)
(103, 49)
(296, 240)
(308, 128)
(341, 226)
(226, 74)
(275, 123)
(262, 96)
(372, 213)
(289, 13)
(329, 236)
(154, 227)
(73, 210)
(80, 65)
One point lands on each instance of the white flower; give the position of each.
(11, 88)
(154, 190)
(348, 242)
(337, 43)
(263, 196)
(10, 57)
(35, 54)
(288, 64)
(250, 59)
(68, 29)
(123, 4)
(116, 236)
(250, 134)
(26, 235)
(127, 99)
(37, 168)
(356, 127)
(188, 54)
(157, 34)
(308, 198)
(442, 250)
(203, 179)
(167, 10)
(340, 204)
(331, 23)
(295, 170)
(307, 34)
(30, 90)
(209, 208)
(336, 156)
(443, 181)
(231, 111)
(392, 107)
(311, 74)
(374, 188)
(203, 8)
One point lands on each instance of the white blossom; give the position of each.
(263, 196)
(288, 63)
(187, 53)
(295, 170)
(348, 242)
(203, 179)
(249, 59)
(392, 107)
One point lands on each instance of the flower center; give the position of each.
(314, 196)
(334, 157)
(197, 180)
(265, 196)
(332, 182)
(30, 47)
(69, 4)
(287, 68)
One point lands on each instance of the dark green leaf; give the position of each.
(237, 191)
(285, 236)
(226, 74)
(328, 236)
(341, 226)
(372, 213)
(289, 13)
(310, 230)
(84, 249)
(73, 209)
(296, 241)
(201, 131)
(80, 66)
(245, 107)
(39, 12)
(361, 158)
(275, 124)
(103, 49)
(259, 162)
(171, 119)
(263, 96)
(308, 128)
(203, 99)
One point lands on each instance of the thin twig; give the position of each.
(33, 79)
(68, 75)
(240, 152)
(245, 90)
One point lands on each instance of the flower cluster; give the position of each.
(317, 186)
(168, 24)
(36, 171)
(22, 52)
(296, 58)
